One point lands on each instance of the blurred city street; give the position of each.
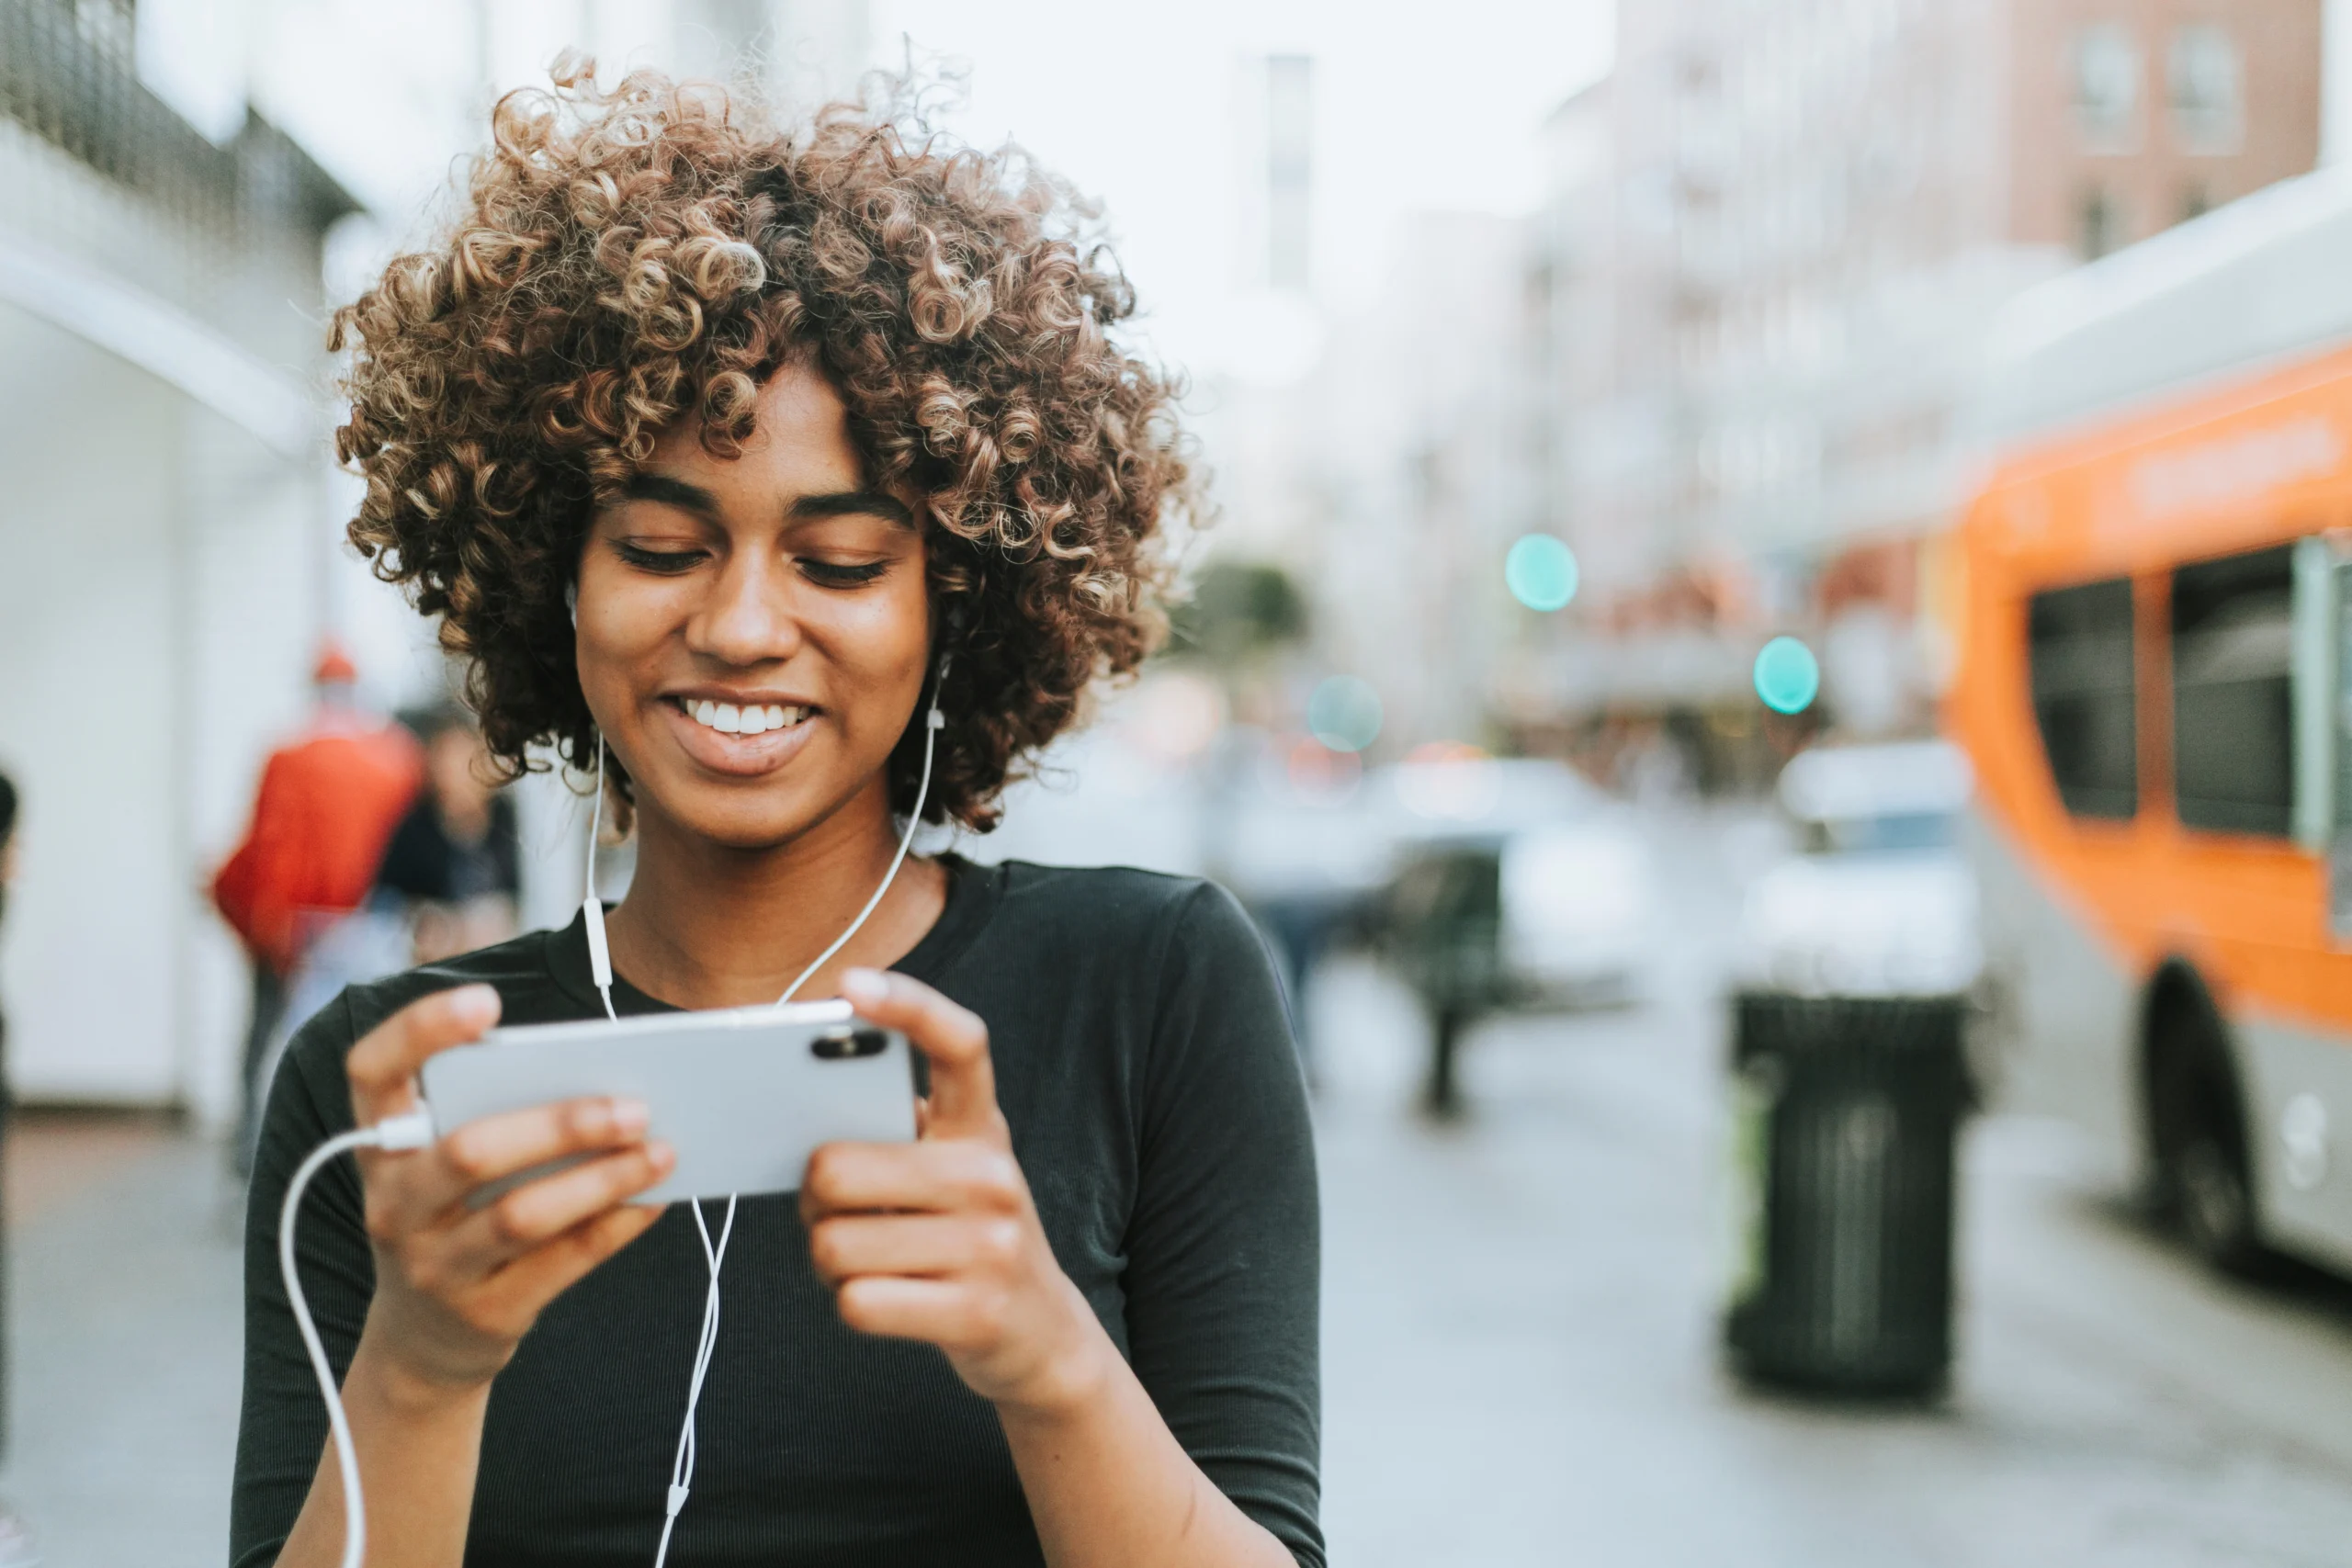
(1519, 1361)
(1722, 565)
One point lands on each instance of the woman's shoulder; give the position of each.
(1144, 919)
(1112, 900)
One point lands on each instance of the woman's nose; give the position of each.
(748, 618)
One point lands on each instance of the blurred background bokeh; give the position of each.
(1734, 516)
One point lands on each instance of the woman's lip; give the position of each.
(743, 756)
(740, 699)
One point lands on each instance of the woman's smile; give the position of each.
(742, 735)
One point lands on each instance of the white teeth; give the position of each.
(751, 718)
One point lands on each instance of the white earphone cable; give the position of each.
(591, 908)
(414, 1131)
(933, 725)
(682, 1468)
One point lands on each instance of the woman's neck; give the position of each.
(705, 925)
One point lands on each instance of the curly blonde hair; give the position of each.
(628, 258)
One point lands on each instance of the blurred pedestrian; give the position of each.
(455, 861)
(328, 802)
(15, 1540)
(7, 1105)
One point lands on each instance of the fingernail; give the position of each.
(629, 1116)
(865, 985)
(476, 1002)
(660, 1154)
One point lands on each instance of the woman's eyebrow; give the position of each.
(670, 491)
(852, 504)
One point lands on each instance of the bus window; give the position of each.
(2233, 704)
(2080, 643)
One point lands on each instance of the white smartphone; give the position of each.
(744, 1095)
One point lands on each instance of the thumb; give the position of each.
(952, 1039)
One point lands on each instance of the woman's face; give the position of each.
(754, 632)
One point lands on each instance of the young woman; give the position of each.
(719, 450)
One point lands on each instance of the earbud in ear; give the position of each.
(938, 687)
(571, 602)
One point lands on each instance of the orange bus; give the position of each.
(2154, 625)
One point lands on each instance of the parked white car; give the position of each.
(1879, 900)
(1579, 906)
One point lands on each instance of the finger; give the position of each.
(947, 1312)
(493, 1148)
(516, 1294)
(849, 1245)
(538, 1212)
(382, 1066)
(489, 1148)
(963, 1080)
(931, 1177)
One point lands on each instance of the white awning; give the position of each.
(165, 341)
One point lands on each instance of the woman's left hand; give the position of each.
(938, 1239)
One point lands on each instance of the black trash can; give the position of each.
(1847, 1111)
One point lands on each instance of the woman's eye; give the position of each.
(666, 561)
(836, 574)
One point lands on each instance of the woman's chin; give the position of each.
(746, 825)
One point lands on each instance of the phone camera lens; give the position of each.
(848, 1044)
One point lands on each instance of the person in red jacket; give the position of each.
(328, 803)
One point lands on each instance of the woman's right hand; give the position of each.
(457, 1286)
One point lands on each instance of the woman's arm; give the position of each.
(418, 1448)
(939, 1241)
(1108, 1484)
(450, 1292)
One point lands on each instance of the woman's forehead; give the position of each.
(800, 432)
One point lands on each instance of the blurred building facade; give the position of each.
(1382, 455)
(1775, 240)
(1424, 446)
(164, 522)
(176, 179)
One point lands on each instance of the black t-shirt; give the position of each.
(1143, 1064)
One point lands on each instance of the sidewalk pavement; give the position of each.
(126, 1281)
